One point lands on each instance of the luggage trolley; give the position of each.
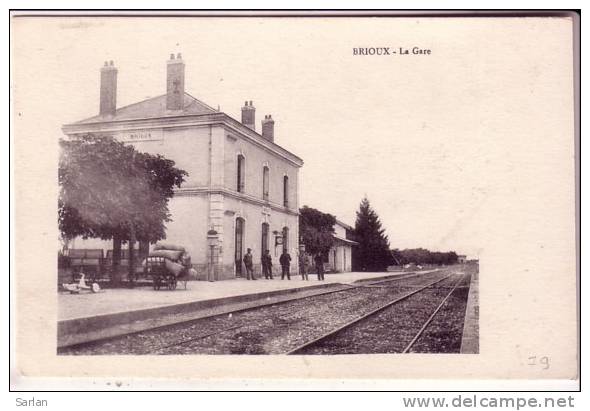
(161, 276)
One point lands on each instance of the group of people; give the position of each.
(285, 261)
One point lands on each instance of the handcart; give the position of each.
(167, 268)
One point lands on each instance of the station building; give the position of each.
(340, 255)
(242, 188)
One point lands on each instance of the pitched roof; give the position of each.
(154, 107)
(340, 223)
(344, 240)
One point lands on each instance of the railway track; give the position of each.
(378, 325)
(379, 283)
(193, 332)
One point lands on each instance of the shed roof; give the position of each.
(344, 240)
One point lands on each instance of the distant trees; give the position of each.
(316, 230)
(372, 252)
(423, 256)
(109, 190)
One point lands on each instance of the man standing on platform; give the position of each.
(303, 265)
(248, 264)
(285, 261)
(266, 261)
(319, 264)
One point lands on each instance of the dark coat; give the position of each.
(285, 259)
(247, 260)
(266, 260)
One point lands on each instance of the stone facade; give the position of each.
(224, 191)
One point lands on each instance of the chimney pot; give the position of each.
(175, 84)
(249, 115)
(108, 89)
(268, 128)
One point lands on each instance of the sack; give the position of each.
(173, 255)
(164, 246)
(186, 260)
(174, 268)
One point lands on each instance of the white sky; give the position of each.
(442, 145)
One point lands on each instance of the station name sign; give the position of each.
(140, 135)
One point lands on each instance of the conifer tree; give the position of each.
(372, 253)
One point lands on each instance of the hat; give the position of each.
(249, 249)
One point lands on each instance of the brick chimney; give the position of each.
(268, 128)
(108, 89)
(175, 83)
(249, 115)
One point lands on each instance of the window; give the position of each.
(264, 245)
(285, 239)
(241, 173)
(286, 191)
(265, 183)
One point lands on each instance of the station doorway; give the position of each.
(239, 244)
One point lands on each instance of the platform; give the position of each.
(470, 339)
(87, 317)
(117, 300)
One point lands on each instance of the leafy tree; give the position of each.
(109, 190)
(372, 253)
(316, 230)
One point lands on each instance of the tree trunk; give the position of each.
(144, 249)
(116, 263)
(132, 239)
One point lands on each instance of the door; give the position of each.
(264, 245)
(285, 239)
(336, 268)
(345, 269)
(239, 243)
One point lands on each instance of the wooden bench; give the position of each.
(125, 261)
(89, 261)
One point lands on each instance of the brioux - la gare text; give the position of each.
(389, 51)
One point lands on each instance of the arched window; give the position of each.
(265, 183)
(241, 173)
(286, 191)
(285, 239)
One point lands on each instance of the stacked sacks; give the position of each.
(164, 246)
(176, 259)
